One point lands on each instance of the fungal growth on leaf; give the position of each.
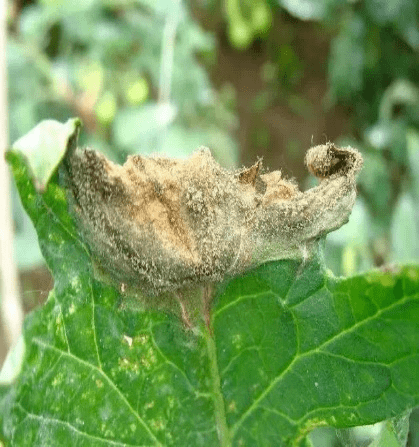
(159, 225)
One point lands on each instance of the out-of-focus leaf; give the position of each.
(323, 437)
(13, 363)
(390, 135)
(405, 229)
(22, 118)
(26, 247)
(414, 428)
(346, 249)
(34, 22)
(137, 127)
(163, 7)
(401, 15)
(197, 39)
(63, 7)
(376, 185)
(349, 232)
(413, 157)
(398, 145)
(106, 108)
(410, 34)
(346, 73)
(137, 91)
(305, 9)
(98, 31)
(124, 37)
(385, 12)
(180, 142)
(393, 432)
(24, 78)
(358, 436)
(401, 93)
(378, 135)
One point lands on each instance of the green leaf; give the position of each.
(289, 348)
(45, 146)
(305, 9)
(138, 128)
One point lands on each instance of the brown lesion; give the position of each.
(278, 188)
(161, 225)
(248, 176)
(328, 160)
(270, 186)
(152, 197)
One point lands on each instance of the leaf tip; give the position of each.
(44, 148)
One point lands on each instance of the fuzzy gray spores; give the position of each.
(159, 224)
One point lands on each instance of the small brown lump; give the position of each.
(159, 224)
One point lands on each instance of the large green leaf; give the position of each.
(289, 348)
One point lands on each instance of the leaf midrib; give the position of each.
(218, 398)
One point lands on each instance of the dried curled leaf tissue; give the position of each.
(158, 224)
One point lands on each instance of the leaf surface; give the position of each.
(290, 348)
(45, 146)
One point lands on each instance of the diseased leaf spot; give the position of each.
(158, 225)
(232, 407)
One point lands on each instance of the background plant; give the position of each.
(372, 71)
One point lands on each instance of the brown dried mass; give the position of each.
(158, 224)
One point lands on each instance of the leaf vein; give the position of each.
(241, 298)
(106, 377)
(50, 420)
(318, 349)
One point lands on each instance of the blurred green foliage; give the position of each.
(373, 70)
(128, 68)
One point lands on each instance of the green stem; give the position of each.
(220, 415)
